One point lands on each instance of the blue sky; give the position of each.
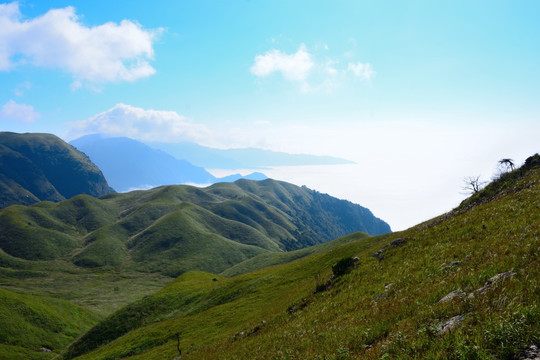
(415, 91)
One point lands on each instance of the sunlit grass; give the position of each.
(385, 308)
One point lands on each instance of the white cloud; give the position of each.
(57, 39)
(19, 112)
(294, 67)
(312, 70)
(361, 70)
(140, 124)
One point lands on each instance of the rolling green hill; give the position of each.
(175, 229)
(38, 167)
(96, 255)
(465, 285)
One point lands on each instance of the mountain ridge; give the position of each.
(176, 228)
(36, 167)
(243, 158)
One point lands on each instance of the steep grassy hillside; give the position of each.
(277, 258)
(175, 229)
(465, 285)
(37, 327)
(36, 167)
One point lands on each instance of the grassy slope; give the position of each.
(103, 254)
(270, 259)
(30, 323)
(362, 315)
(173, 229)
(63, 299)
(37, 167)
(218, 302)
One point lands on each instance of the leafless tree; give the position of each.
(472, 184)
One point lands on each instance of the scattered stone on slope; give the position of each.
(378, 254)
(398, 242)
(385, 294)
(395, 243)
(454, 295)
(454, 264)
(296, 306)
(532, 353)
(451, 324)
(258, 328)
(493, 280)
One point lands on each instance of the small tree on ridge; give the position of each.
(472, 184)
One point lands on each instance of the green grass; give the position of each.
(104, 254)
(385, 308)
(217, 303)
(36, 167)
(276, 258)
(191, 293)
(30, 323)
(174, 229)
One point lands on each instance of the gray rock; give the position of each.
(501, 276)
(379, 297)
(454, 295)
(378, 254)
(451, 325)
(385, 294)
(455, 263)
(398, 242)
(532, 353)
(395, 243)
(495, 279)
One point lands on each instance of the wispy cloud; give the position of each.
(98, 54)
(140, 124)
(294, 67)
(309, 69)
(363, 71)
(18, 112)
(22, 88)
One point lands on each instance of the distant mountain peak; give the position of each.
(130, 164)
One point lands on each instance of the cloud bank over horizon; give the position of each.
(140, 124)
(57, 39)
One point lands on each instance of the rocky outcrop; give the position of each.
(394, 243)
